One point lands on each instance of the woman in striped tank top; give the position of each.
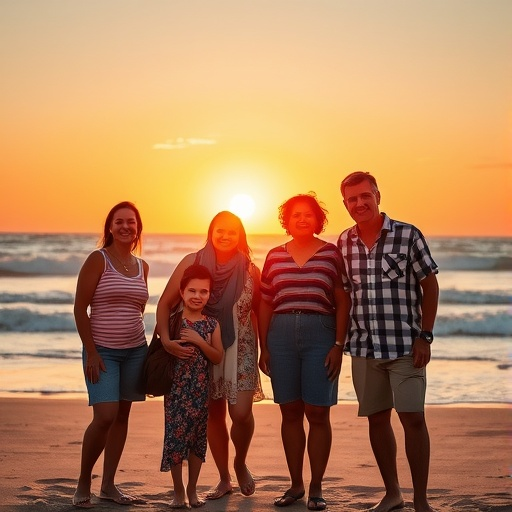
(111, 296)
(302, 324)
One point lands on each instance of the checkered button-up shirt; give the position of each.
(384, 284)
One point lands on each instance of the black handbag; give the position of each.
(158, 370)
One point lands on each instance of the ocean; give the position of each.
(40, 351)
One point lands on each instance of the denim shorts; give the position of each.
(122, 378)
(298, 344)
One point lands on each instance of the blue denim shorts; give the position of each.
(122, 380)
(298, 344)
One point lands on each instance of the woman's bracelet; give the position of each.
(339, 344)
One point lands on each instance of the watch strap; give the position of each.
(428, 336)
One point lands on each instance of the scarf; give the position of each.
(228, 283)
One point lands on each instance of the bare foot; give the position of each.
(82, 501)
(387, 504)
(193, 499)
(221, 489)
(179, 498)
(423, 507)
(177, 504)
(245, 480)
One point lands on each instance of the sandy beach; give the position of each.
(40, 442)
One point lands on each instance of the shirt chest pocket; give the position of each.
(394, 265)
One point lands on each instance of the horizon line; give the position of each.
(160, 233)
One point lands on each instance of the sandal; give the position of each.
(288, 498)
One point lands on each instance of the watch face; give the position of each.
(427, 336)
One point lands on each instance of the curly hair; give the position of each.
(285, 210)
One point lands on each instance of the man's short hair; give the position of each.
(358, 177)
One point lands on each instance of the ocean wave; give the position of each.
(493, 323)
(487, 262)
(54, 354)
(447, 296)
(56, 265)
(26, 320)
(474, 324)
(67, 266)
(499, 360)
(163, 265)
(64, 254)
(54, 297)
(495, 298)
(51, 297)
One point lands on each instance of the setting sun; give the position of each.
(242, 205)
(243, 121)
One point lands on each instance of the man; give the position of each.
(391, 278)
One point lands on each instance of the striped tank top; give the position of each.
(310, 288)
(117, 308)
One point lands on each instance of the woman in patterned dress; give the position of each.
(235, 382)
(186, 405)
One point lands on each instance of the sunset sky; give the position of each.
(180, 105)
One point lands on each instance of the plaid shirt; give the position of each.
(384, 284)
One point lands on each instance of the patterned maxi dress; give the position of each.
(186, 406)
(238, 370)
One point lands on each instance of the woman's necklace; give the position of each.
(126, 269)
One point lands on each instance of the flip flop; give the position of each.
(198, 504)
(123, 499)
(82, 502)
(288, 498)
(315, 503)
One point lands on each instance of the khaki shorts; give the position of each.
(382, 384)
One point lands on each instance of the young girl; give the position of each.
(186, 406)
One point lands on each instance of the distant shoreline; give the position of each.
(250, 234)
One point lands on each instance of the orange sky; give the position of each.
(180, 105)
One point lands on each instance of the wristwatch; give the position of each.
(428, 336)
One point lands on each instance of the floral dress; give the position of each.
(238, 370)
(186, 406)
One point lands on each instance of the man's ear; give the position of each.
(345, 203)
(377, 196)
